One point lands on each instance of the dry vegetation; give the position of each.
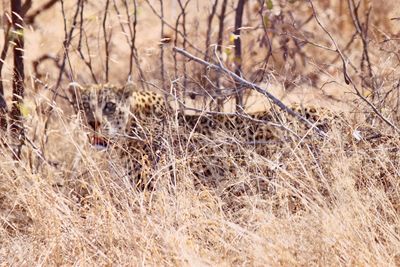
(63, 203)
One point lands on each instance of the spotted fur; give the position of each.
(141, 118)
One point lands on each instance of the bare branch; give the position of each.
(221, 18)
(209, 27)
(30, 18)
(362, 31)
(347, 78)
(238, 52)
(162, 46)
(184, 42)
(3, 104)
(132, 32)
(17, 127)
(82, 33)
(253, 86)
(172, 27)
(67, 41)
(266, 37)
(106, 40)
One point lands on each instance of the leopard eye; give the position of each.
(109, 108)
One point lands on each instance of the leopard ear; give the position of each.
(128, 89)
(74, 93)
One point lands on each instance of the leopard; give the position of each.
(116, 116)
(234, 154)
(138, 124)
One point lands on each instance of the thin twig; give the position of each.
(106, 41)
(253, 86)
(161, 45)
(173, 28)
(17, 126)
(3, 104)
(66, 44)
(82, 33)
(347, 78)
(30, 18)
(266, 37)
(184, 42)
(238, 53)
(362, 31)
(209, 28)
(221, 18)
(36, 63)
(132, 32)
(67, 41)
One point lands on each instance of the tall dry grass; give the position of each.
(335, 205)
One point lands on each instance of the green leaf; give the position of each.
(266, 21)
(228, 51)
(24, 110)
(233, 37)
(15, 34)
(270, 5)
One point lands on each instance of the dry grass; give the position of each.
(339, 206)
(65, 203)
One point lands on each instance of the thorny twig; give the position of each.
(253, 86)
(347, 78)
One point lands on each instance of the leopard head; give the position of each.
(105, 108)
